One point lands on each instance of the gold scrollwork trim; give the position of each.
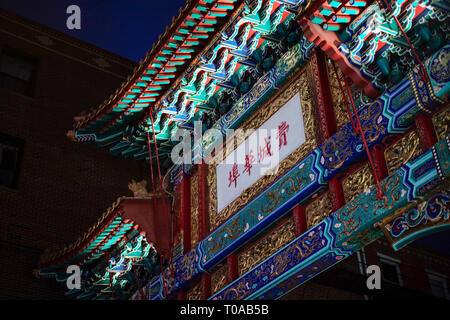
(258, 118)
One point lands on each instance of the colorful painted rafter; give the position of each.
(122, 241)
(367, 35)
(209, 53)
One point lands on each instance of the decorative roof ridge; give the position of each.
(52, 255)
(82, 119)
(197, 60)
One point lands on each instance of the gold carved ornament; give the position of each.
(441, 122)
(318, 210)
(267, 246)
(219, 279)
(194, 210)
(195, 293)
(339, 103)
(402, 151)
(357, 182)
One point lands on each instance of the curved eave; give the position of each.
(167, 59)
(179, 96)
(111, 228)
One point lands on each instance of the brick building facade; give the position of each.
(51, 189)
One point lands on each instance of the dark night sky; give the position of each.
(126, 27)
(129, 28)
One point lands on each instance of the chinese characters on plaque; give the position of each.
(263, 150)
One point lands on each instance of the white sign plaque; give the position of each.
(263, 150)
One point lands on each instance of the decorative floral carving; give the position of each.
(340, 110)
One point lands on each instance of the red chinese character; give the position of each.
(282, 130)
(234, 174)
(265, 151)
(249, 159)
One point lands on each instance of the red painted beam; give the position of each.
(206, 286)
(425, 131)
(299, 215)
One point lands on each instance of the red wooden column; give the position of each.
(186, 212)
(425, 131)
(379, 161)
(336, 193)
(321, 95)
(203, 223)
(203, 209)
(232, 264)
(321, 92)
(182, 295)
(299, 216)
(185, 190)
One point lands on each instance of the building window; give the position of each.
(438, 284)
(10, 158)
(17, 73)
(390, 269)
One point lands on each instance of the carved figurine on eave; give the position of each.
(139, 189)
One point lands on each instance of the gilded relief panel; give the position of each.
(357, 182)
(441, 122)
(318, 210)
(211, 180)
(339, 103)
(195, 293)
(194, 210)
(259, 117)
(267, 246)
(219, 279)
(402, 151)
